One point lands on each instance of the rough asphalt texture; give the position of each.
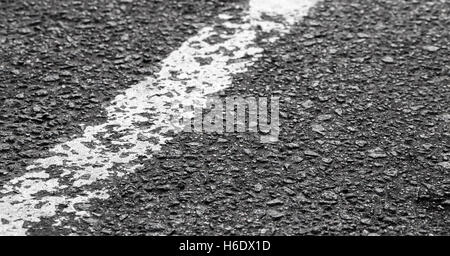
(62, 61)
(365, 118)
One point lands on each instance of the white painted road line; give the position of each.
(139, 117)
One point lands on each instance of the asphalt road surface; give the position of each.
(87, 89)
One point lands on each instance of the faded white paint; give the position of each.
(139, 118)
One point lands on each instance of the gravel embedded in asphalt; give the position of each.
(61, 62)
(364, 146)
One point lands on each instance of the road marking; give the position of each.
(139, 118)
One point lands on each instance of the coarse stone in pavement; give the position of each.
(364, 147)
